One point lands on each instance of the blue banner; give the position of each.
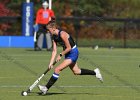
(27, 19)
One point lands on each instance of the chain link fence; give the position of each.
(104, 32)
(88, 32)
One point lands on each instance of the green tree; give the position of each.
(92, 7)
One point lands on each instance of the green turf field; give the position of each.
(120, 68)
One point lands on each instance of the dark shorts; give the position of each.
(73, 54)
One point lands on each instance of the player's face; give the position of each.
(51, 30)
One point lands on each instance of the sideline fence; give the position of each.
(88, 31)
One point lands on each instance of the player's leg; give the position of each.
(37, 48)
(48, 41)
(57, 71)
(40, 40)
(35, 42)
(55, 75)
(80, 71)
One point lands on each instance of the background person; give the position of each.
(44, 15)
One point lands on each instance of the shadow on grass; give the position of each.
(62, 93)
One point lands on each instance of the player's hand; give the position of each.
(36, 27)
(50, 66)
(53, 19)
(58, 58)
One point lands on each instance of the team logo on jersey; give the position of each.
(45, 14)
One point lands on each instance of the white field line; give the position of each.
(3, 77)
(43, 60)
(26, 55)
(76, 86)
(27, 60)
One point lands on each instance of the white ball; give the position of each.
(24, 93)
(96, 47)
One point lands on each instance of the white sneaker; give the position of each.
(98, 74)
(43, 89)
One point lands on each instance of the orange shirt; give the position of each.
(44, 16)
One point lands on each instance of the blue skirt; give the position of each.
(73, 54)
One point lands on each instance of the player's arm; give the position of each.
(54, 52)
(65, 37)
(52, 15)
(37, 16)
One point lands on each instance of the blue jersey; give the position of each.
(73, 54)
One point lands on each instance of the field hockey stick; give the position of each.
(25, 93)
(35, 41)
(35, 36)
(36, 28)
